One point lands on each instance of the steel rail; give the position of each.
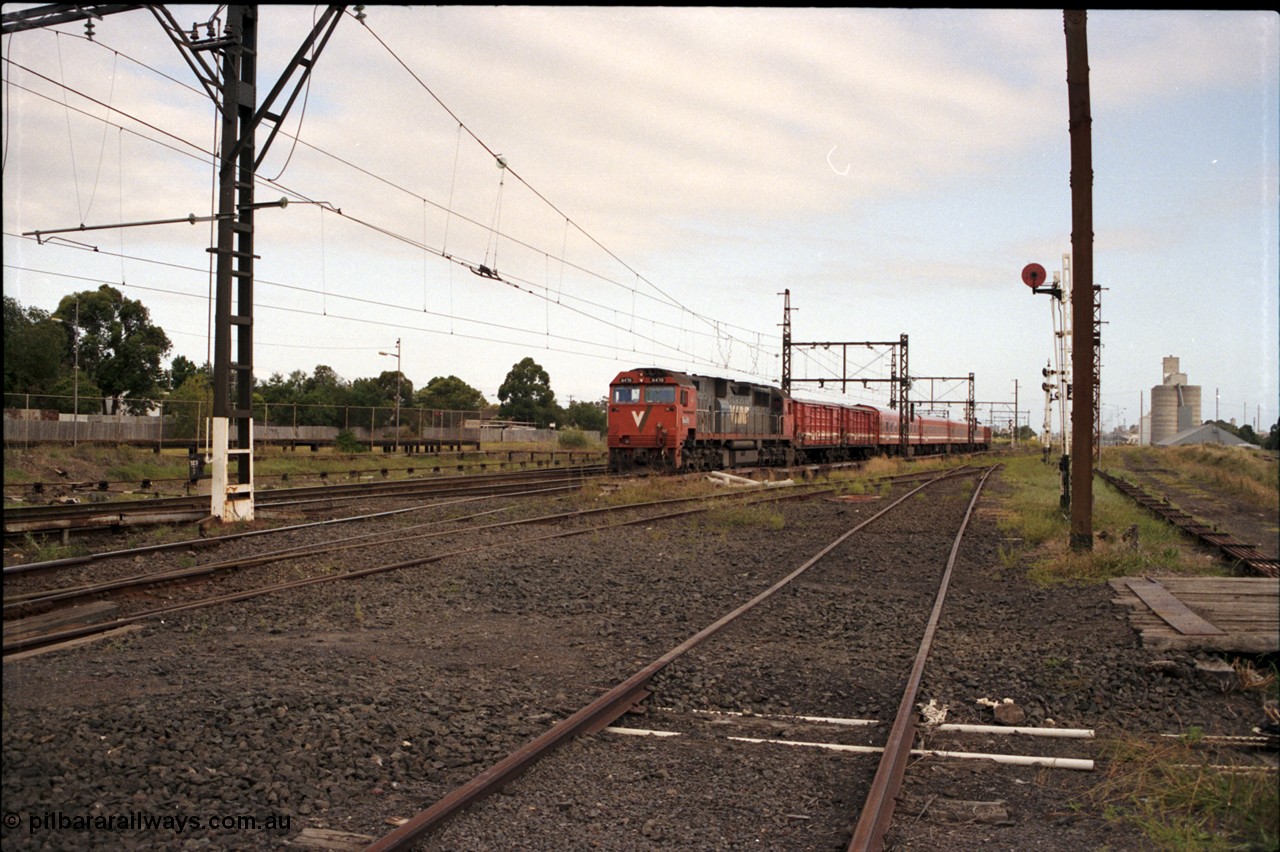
(170, 509)
(22, 603)
(16, 604)
(597, 714)
(27, 643)
(1247, 554)
(189, 544)
(877, 812)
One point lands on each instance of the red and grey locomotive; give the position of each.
(664, 420)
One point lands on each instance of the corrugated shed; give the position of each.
(1206, 434)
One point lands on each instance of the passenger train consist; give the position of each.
(668, 421)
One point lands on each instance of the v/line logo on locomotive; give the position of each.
(663, 420)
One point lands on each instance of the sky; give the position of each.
(669, 173)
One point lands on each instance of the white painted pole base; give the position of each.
(229, 502)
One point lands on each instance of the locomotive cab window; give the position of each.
(660, 393)
(626, 394)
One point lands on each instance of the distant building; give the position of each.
(1209, 433)
(1175, 405)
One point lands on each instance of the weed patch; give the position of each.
(1128, 540)
(738, 517)
(1178, 802)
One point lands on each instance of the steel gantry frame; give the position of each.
(1097, 373)
(899, 376)
(233, 89)
(970, 404)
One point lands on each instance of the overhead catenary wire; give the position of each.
(516, 174)
(720, 330)
(718, 334)
(214, 156)
(577, 338)
(102, 147)
(71, 142)
(718, 325)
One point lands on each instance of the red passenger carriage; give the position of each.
(665, 420)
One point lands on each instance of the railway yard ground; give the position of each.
(330, 713)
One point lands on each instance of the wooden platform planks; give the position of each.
(1231, 614)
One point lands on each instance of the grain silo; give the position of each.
(1175, 405)
(1164, 412)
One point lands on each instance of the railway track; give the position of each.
(461, 535)
(121, 514)
(770, 637)
(434, 464)
(1242, 553)
(48, 613)
(350, 706)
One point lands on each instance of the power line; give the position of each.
(365, 223)
(357, 300)
(518, 177)
(527, 287)
(671, 302)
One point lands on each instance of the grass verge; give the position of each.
(1128, 540)
(1167, 791)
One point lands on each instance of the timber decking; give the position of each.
(1234, 614)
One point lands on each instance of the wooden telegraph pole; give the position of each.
(1082, 290)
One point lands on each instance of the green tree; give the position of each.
(323, 398)
(449, 393)
(1272, 441)
(589, 416)
(184, 368)
(368, 394)
(34, 350)
(391, 384)
(526, 395)
(66, 389)
(189, 404)
(119, 347)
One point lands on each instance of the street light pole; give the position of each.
(398, 376)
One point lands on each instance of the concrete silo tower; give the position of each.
(1175, 405)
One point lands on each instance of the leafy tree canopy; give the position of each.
(119, 347)
(589, 416)
(190, 403)
(1244, 433)
(1272, 441)
(449, 393)
(34, 349)
(526, 395)
(184, 368)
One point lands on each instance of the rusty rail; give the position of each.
(1246, 554)
(877, 812)
(121, 513)
(596, 715)
(15, 645)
